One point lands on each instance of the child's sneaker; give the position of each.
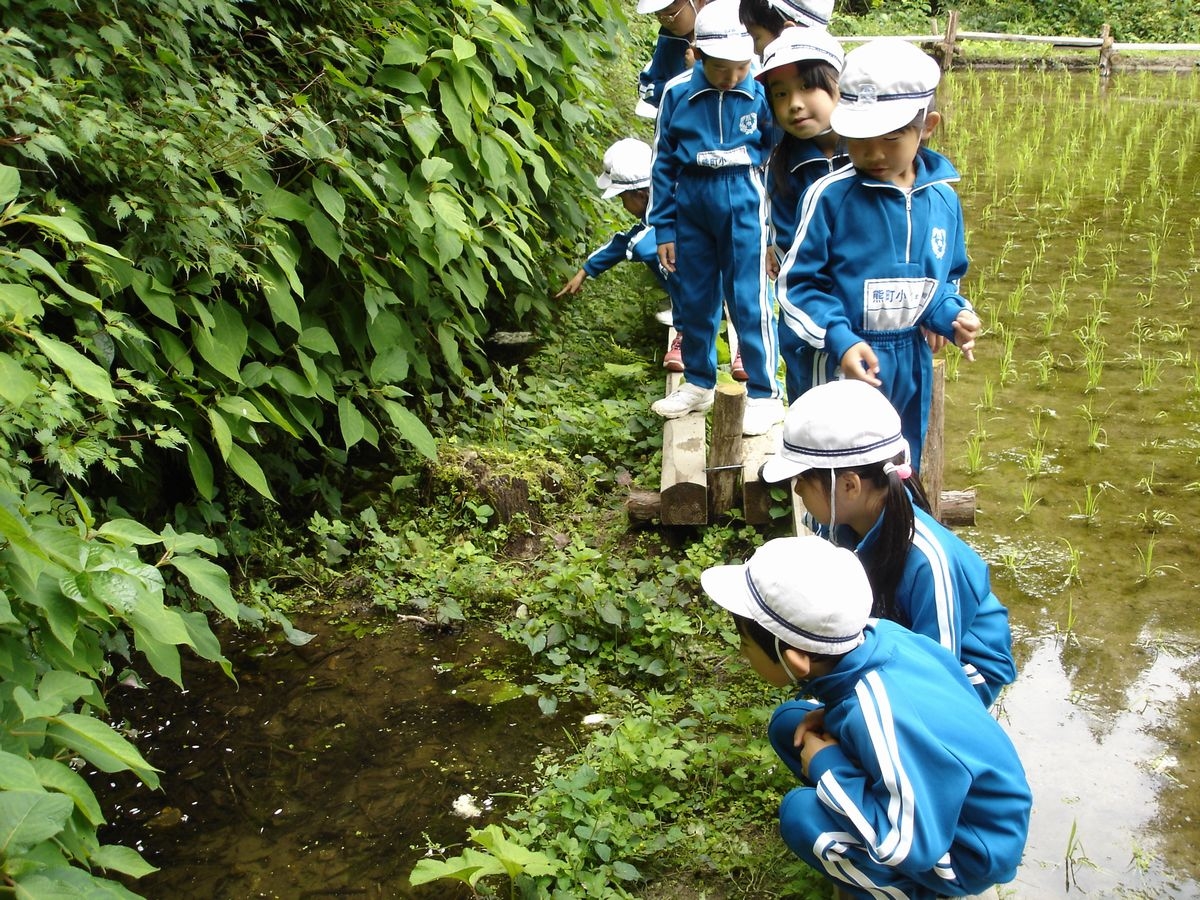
(760, 414)
(737, 370)
(684, 399)
(673, 358)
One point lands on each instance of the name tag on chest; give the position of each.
(890, 304)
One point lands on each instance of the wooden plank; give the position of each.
(933, 453)
(725, 455)
(756, 494)
(683, 488)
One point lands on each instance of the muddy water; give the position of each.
(324, 772)
(1079, 428)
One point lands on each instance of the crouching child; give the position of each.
(909, 788)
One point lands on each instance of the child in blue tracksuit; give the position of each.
(800, 71)
(672, 50)
(909, 789)
(626, 175)
(842, 442)
(708, 209)
(879, 250)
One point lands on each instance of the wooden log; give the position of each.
(756, 494)
(957, 507)
(725, 451)
(643, 506)
(933, 453)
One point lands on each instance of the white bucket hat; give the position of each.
(810, 594)
(653, 6)
(626, 167)
(796, 45)
(808, 14)
(835, 426)
(885, 83)
(720, 33)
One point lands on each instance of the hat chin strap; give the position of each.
(783, 662)
(833, 506)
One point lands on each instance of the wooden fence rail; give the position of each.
(946, 42)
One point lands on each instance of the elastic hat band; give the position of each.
(911, 95)
(800, 632)
(840, 453)
(800, 11)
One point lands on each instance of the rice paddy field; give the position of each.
(1078, 426)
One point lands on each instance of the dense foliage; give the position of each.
(239, 240)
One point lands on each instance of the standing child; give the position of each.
(672, 51)
(909, 789)
(708, 209)
(766, 19)
(800, 70)
(879, 250)
(842, 442)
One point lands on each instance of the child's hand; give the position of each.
(860, 362)
(572, 286)
(666, 256)
(813, 744)
(814, 720)
(772, 264)
(935, 341)
(966, 329)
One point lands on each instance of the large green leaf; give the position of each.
(29, 817)
(81, 371)
(410, 428)
(224, 344)
(208, 580)
(248, 469)
(100, 745)
(17, 384)
(20, 302)
(10, 184)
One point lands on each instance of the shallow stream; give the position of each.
(1078, 429)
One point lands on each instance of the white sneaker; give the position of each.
(684, 399)
(760, 414)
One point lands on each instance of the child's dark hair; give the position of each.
(766, 641)
(762, 14)
(814, 73)
(886, 564)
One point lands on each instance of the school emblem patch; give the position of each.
(937, 242)
(749, 123)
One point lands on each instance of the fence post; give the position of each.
(949, 40)
(1106, 51)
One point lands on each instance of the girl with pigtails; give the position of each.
(842, 443)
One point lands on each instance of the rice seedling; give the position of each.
(1150, 374)
(1073, 557)
(1008, 366)
(1147, 483)
(975, 441)
(987, 399)
(1090, 507)
(1029, 499)
(1043, 366)
(1148, 568)
(1156, 520)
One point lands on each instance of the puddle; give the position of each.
(325, 771)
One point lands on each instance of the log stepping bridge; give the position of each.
(707, 474)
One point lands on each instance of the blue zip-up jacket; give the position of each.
(870, 256)
(945, 593)
(701, 128)
(669, 59)
(636, 244)
(923, 784)
(804, 163)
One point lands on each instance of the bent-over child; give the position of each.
(842, 443)
(879, 249)
(909, 789)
